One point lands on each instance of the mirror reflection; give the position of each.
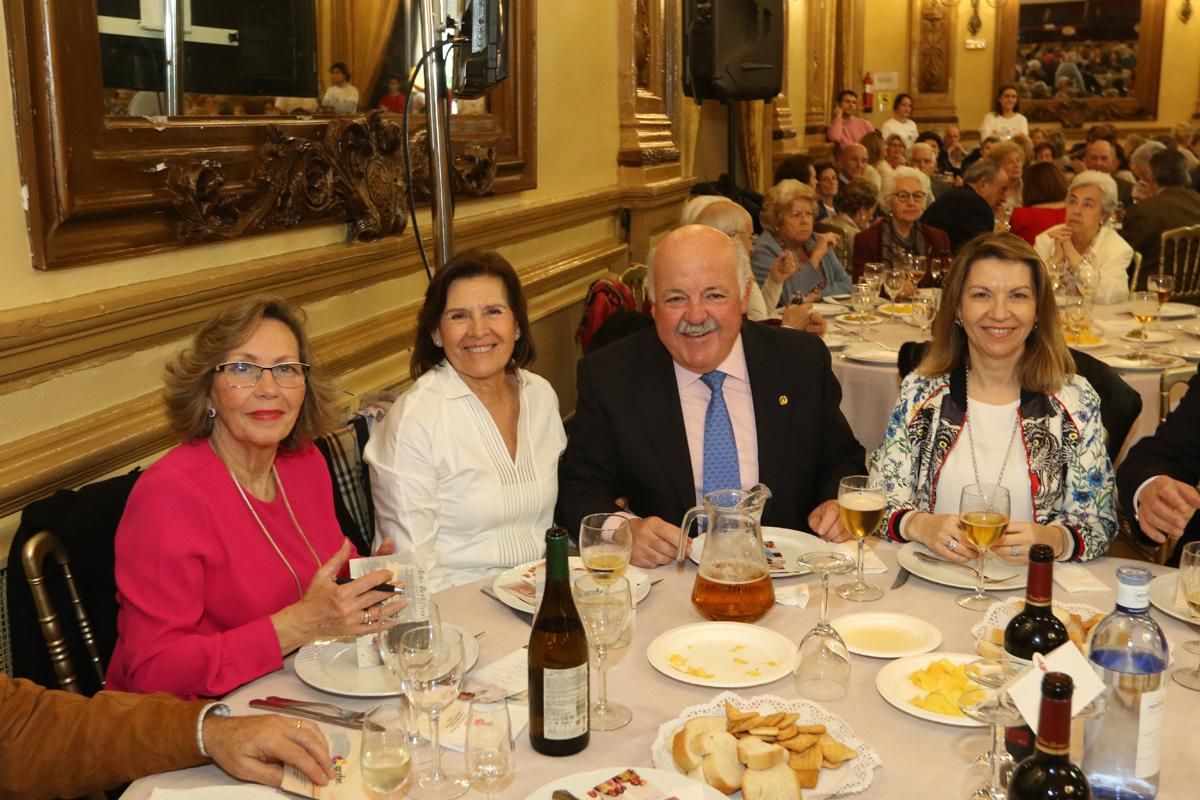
(268, 57)
(1073, 49)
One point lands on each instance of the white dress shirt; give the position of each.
(446, 490)
(694, 396)
(992, 427)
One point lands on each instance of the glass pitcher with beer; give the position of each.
(734, 581)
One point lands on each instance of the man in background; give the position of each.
(966, 211)
(1174, 205)
(847, 127)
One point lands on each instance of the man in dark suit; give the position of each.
(966, 211)
(1157, 480)
(666, 415)
(1174, 206)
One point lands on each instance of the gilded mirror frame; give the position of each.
(1075, 113)
(97, 185)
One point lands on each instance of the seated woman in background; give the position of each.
(1044, 195)
(855, 206)
(228, 548)
(827, 188)
(1010, 157)
(789, 253)
(996, 400)
(895, 154)
(905, 196)
(1091, 198)
(464, 467)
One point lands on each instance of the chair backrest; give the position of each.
(635, 278)
(1179, 255)
(605, 297)
(1172, 377)
(37, 549)
(1135, 271)
(352, 503)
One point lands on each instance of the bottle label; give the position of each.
(1149, 744)
(1134, 598)
(565, 700)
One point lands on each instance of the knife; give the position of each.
(901, 578)
(490, 592)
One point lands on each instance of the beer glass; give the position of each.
(861, 504)
(605, 545)
(983, 512)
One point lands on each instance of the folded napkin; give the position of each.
(455, 738)
(1075, 578)
(872, 564)
(795, 595)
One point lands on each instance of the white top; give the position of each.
(693, 398)
(445, 489)
(342, 99)
(906, 130)
(1109, 252)
(992, 428)
(995, 125)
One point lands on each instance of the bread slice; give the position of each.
(683, 745)
(722, 770)
(776, 783)
(757, 754)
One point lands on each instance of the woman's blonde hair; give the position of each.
(189, 376)
(780, 198)
(1046, 363)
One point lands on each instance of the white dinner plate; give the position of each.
(786, 547)
(886, 634)
(835, 341)
(844, 299)
(871, 354)
(581, 783)
(1189, 351)
(1010, 577)
(1190, 327)
(893, 683)
(851, 778)
(725, 655)
(1152, 336)
(639, 583)
(1155, 362)
(854, 319)
(1176, 310)
(829, 309)
(333, 667)
(1162, 597)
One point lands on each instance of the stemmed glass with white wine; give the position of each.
(603, 609)
(861, 503)
(1189, 574)
(605, 545)
(983, 511)
(489, 748)
(430, 658)
(386, 751)
(1144, 308)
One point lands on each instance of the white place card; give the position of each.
(415, 596)
(1026, 689)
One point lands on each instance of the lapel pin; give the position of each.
(783, 399)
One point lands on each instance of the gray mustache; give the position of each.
(688, 329)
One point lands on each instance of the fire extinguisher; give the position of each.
(868, 97)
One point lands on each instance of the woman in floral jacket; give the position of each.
(996, 374)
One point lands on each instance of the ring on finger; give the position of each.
(952, 544)
(366, 617)
(299, 723)
(1016, 550)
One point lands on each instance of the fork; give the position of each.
(323, 712)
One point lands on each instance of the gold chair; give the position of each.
(1137, 272)
(41, 546)
(635, 278)
(1179, 255)
(1171, 377)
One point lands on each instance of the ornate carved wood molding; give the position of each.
(645, 75)
(933, 44)
(820, 34)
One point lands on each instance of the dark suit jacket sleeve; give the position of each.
(57, 744)
(588, 477)
(1138, 229)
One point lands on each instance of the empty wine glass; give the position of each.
(894, 282)
(1189, 574)
(1087, 280)
(938, 265)
(605, 545)
(873, 272)
(823, 661)
(1054, 269)
(489, 749)
(983, 512)
(1144, 308)
(1073, 313)
(603, 608)
(386, 752)
(431, 670)
(861, 504)
(991, 705)
(863, 301)
(923, 310)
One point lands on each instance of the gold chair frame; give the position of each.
(41, 546)
(1179, 255)
(1171, 377)
(635, 278)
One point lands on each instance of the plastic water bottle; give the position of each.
(1129, 653)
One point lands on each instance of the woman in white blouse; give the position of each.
(900, 124)
(1091, 199)
(1005, 120)
(464, 466)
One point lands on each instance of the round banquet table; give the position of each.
(869, 389)
(920, 758)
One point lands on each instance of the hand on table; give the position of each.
(255, 748)
(1024, 535)
(936, 532)
(1165, 507)
(802, 317)
(826, 523)
(655, 542)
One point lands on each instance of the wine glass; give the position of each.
(863, 301)
(386, 752)
(873, 272)
(431, 672)
(1189, 573)
(923, 310)
(991, 705)
(983, 512)
(1073, 316)
(937, 266)
(893, 283)
(823, 662)
(489, 750)
(917, 264)
(1054, 269)
(1087, 280)
(605, 544)
(603, 609)
(861, 503)
(1162, 285)
(1144, 307)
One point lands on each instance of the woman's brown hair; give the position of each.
(189, 376)
(1043, 182)
(474, 263)
(1046, 363)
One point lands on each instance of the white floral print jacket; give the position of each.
(1070, 473)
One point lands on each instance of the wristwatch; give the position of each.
(217, 710)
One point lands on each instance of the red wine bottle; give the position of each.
(1034, 630)
(1048, 774)
(558, 661)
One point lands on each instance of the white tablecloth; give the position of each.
(920, 759)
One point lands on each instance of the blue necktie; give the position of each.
(720, 450)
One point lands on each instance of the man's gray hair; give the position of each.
(1145, 151)
(1102, 181)
(982, 170)
(889, 183)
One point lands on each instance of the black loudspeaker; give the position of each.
(732, 49)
